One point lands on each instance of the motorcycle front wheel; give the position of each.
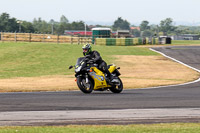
(83, 86)
(117, 88)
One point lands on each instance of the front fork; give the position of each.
(86, 78)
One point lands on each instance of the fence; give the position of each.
(30, 37)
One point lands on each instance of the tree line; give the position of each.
(8, 24)
(165, 27)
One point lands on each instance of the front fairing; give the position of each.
(79, 60)
(80, 65)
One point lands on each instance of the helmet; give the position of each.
(87, 48)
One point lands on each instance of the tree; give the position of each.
(63, 25)
(3, 20)
(63, 19)
(61, 28)
(27, 27)
(41, 26)
(52, 21)
(155, 30)
(144, 25)
(12, 25)
(77, 25)
(7, 23)
(166, 26)
(136, 33)
(147, 33)
(121, 24)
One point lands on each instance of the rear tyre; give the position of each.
(83, 86)
(117, 88)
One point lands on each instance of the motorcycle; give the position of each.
(89, 77)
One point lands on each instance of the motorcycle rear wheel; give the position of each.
(85, 87)
(117, 88)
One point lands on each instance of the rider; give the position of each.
(95, 56)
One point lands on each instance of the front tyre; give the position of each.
(117, 88)
(83, 86)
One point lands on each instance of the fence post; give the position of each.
(78, 40)
(57, 38)
(29, 37)
(88, 40)
(71, 40)
(15, 37)
(2, 36)
(43, 40)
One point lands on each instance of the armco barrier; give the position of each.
(126, 41)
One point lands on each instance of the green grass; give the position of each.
(153, 128)
(39, 59)
(185, 42)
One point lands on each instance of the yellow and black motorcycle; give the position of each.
(89, 77)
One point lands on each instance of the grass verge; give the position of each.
(40, 59)
(151, 128)
(28, 67)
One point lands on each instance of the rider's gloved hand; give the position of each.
(90, 61)
(86, 59)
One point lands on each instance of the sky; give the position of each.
(104, 11)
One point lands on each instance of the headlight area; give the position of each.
(78, 69)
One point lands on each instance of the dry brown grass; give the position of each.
(143, 71)
(137, 72)
(44, 83)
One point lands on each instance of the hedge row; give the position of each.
(125, 41)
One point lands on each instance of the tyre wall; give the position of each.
(126, 41)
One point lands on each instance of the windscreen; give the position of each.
(79, 60)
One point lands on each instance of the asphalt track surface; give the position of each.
(173, 97)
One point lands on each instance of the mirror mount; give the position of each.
(70, 67)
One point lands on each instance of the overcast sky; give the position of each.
(106, 11)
